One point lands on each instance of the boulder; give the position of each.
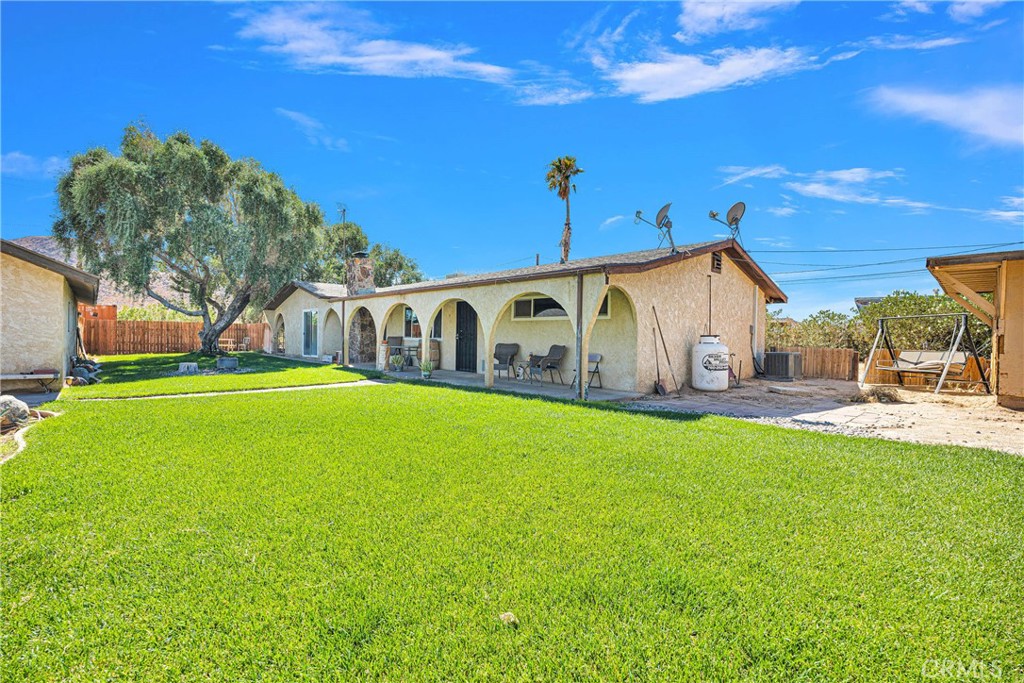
(12, 411)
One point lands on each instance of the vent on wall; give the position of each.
(716, 262)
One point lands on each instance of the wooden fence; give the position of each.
(115, 337)
(824, 363)
(911, 379)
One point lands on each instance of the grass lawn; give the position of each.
(377, 533)
(148, 375)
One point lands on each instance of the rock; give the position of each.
(509, 619)
(12, 411)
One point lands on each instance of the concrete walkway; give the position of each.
(307, 387)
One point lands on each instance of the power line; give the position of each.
(867, 276)
(882, 263)
(853, 251)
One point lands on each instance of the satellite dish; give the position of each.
(662, 216)
(735, 214)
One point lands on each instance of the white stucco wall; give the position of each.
(625, 339)
(680, 294)
(38, 320)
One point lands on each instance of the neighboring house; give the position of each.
(109, 295)
(1001, 274)
(862, 301)
(38, 313)
(609, 299)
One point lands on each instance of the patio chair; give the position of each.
(551, 363)
(594, 366)
(246, 341)
(396, 346)
(504, 356)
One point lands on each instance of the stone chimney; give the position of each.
(360, 274)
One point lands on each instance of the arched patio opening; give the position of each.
(457, 336)
(362, 338)
(333, 338)
(537, 321)
(614, 337)
(278, 340)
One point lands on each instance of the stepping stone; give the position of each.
(789, 391)
(188, 368)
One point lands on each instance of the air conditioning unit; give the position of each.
(783, 365)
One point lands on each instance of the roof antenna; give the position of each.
(663, 223)
(732, 218)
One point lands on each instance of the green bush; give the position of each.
(832, 329)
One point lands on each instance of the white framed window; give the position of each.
(546, 308)
(309, 332)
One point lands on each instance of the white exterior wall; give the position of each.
(38, 320)
(625, 340)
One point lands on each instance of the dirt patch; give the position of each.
(956, 418)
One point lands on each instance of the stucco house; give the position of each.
(39, 299)
(602, 305)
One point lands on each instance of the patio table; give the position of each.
(228, 344)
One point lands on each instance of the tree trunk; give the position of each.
(209, 335)
(566, 233)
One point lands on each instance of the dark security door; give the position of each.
(465, 337)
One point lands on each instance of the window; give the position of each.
(435, 331)
(412, 324)
(716, 262)
(309, 331)
(543, 307)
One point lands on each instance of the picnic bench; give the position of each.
(44, 378)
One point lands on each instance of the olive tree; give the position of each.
(226, 231)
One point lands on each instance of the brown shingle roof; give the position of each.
(634, 261)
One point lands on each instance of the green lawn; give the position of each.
(148, 375)
(378, 532)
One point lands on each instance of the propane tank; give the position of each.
(709, 370)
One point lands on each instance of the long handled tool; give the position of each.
(659, 385)
(667, 356)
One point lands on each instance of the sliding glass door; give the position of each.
(309, 325)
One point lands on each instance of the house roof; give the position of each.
(631, 262)
(976, 271)
(109, 294)
(85, 286)
(321, 290)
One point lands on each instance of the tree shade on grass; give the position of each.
(151, 375)
(377, 533)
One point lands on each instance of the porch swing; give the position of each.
(935, 363)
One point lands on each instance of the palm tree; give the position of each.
(560, 175)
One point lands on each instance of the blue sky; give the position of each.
(841, 125)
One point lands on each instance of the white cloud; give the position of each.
(313, 130)
(607, 223)
(902, 10)
(781, 211)
(20, 165)
(701, 18)
(993, 114)
(854, 175)
(339, 38)
(738, 173)
(966, 11)
(674, 76)
(901, 42)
